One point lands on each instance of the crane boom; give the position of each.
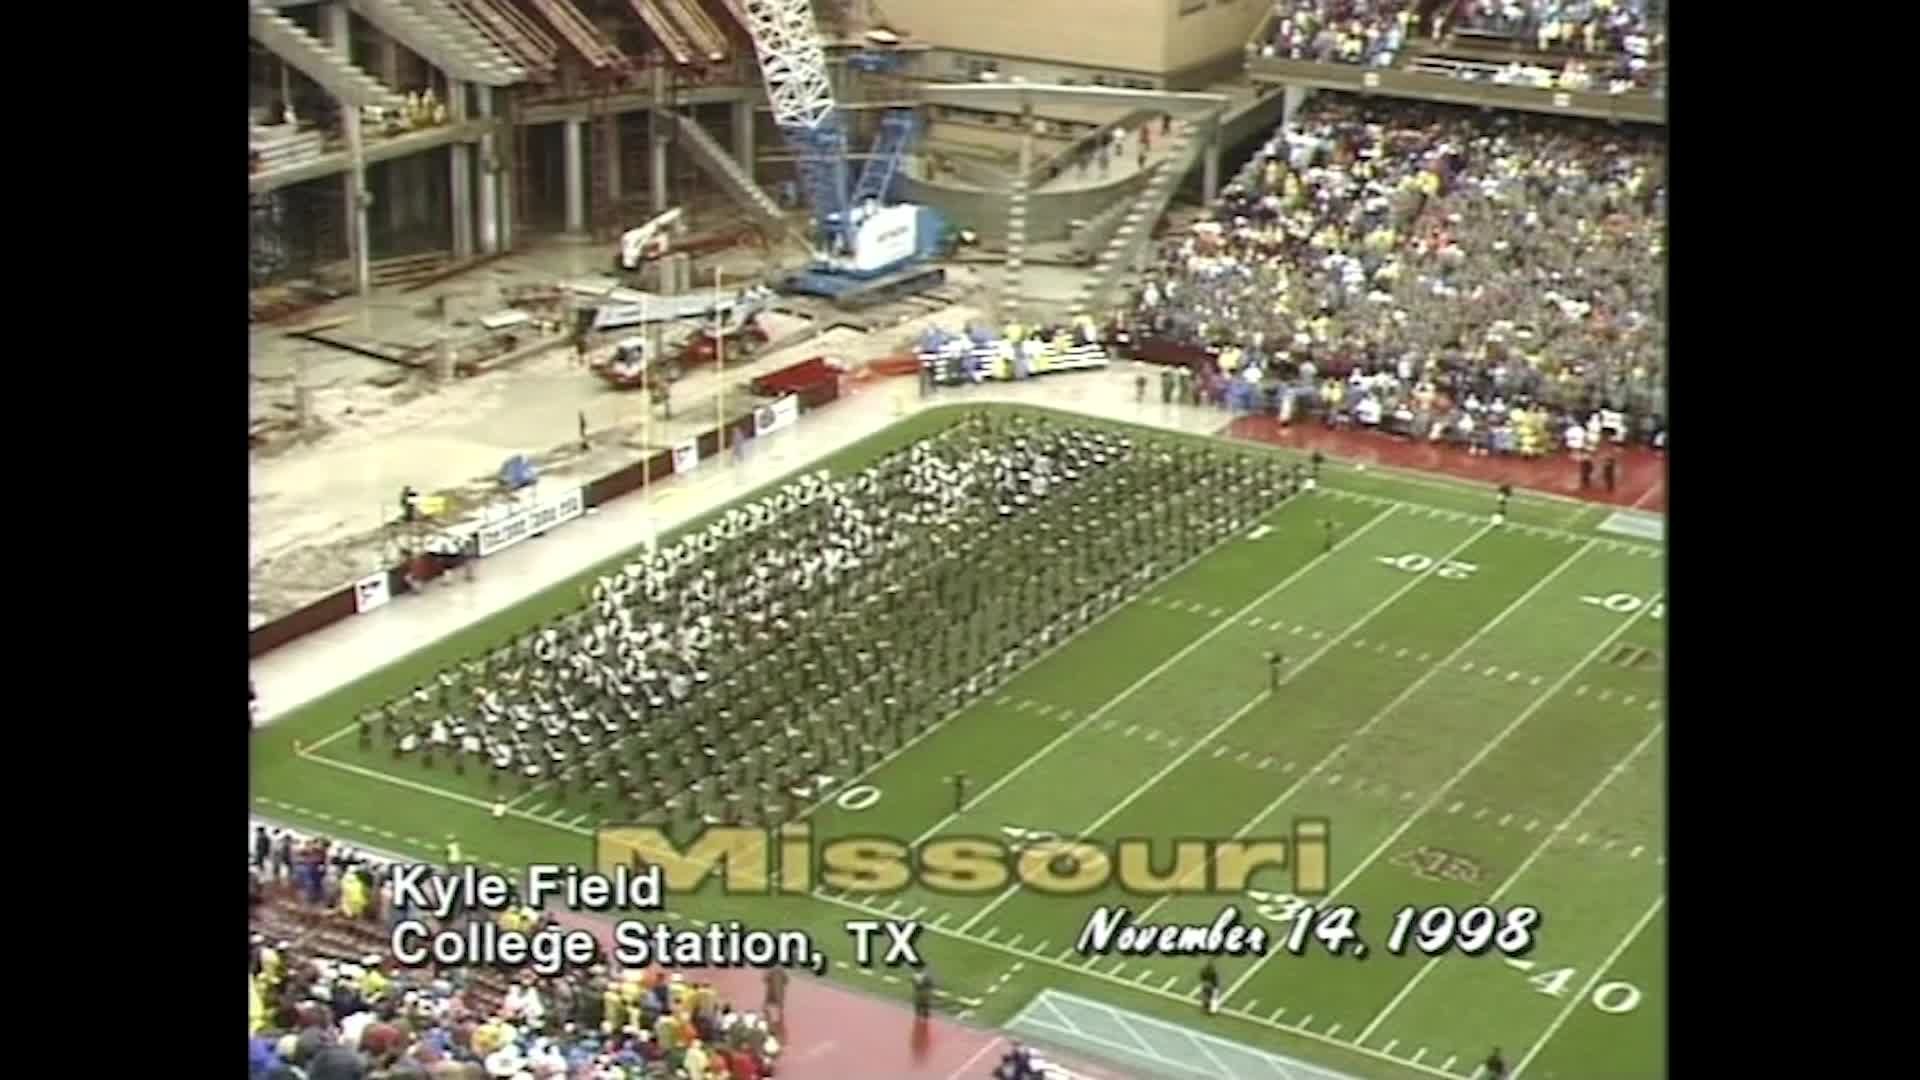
(793, 66)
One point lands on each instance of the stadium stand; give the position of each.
(325, 1005)
(1438, 272)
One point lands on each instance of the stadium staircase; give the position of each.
(461, 59)
(523, 40)
(1099, 229)
(1116, 259)
(717, 163)
(318, 61)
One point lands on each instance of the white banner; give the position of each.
(686, 456)
(370, 592)
(516, 527)
(770, 418)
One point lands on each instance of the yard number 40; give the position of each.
(1613, 998)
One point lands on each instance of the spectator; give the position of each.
(322, 1009)
(1421, 260)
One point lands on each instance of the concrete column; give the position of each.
(743, 133)
(1210, 172)
(389, 61)
(357, 200)
(658, 170)
(575, 177)
(336, 29)
(460, 170)
(610, 131)
(662, 129)
(489, 209)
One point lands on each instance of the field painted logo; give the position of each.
(1439, 864)
(791, 861)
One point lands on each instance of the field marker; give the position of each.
(1400, 653)
(1472, 763)
(1586, 992)
(1131, 728)
(1219, 751)
(1480, 814)
(1332, 1031)
(1467, 667)
(1168, 985)
(991, 931)
(1533, 824)
(1061, 958)
(1406, 796)
(941, 919)
(1276, 1014)
(1629, 699)
(1024, 705)
(1422, 1052)
(1264, 762)
(1117, 967)
(1535, 681)
(1505, 821)
(1609, 845)
(1448, 1066)
(1305, 1024)
(1455, 808)
(1242, 757)
(1580, 691)
(1041, 948)
(1014, 941)
(917, 912)
(1359, 643)
(1512, 675)
(1424, 657)
(1606, 695)
(1391, 1043)
(1584, 837)
(893, 906)
(1254, 622)
(1218, 614)
(577, 820)
(1299, 630)
(1334, 780)
(1143, 976)
(1527, 863)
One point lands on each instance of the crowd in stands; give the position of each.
(1492, 280)
(326, 1005)
(1614, 41)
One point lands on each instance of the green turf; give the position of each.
(1472, 736)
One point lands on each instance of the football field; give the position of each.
(1475, 709)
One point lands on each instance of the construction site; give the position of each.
(503, 248)
(475, 224)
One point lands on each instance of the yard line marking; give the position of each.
(1512, 675)
(1504, 821)
(1188, 650)
(1535, 681)
(1533, 824)
(1448, 1066)
(1219, 751)
(1526, 864)
(1391, 1043)
(1306, 1023)
(1014, 941)
(577, 820)
(1584, 837)
(1264, 762)
(1250, 1005)
(1629, 699)
(1455, 808)
(1242, 757)
(940, 919)
(1334, 780)
(1251, 704)
(991, 931)
(1288, 767)
(1637, 849)
(1480, 814)
(1472, 763)
(1424, 657)
(1606, 695)
(1276, 1014)
(1117, 967)
(1593, 980)
(1467, 667)
(1334, 1030)
(893, 905)
(1131, 728)
(1422, 1052)
(1062, 958)
(917, 912)
(1491, 670)
(1581, 691)
(1385, 710)
(1168, 985)
(1143, 976)
(538, 808)
(1254, 622)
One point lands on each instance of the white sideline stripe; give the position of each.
(1389, 707)
(1392, 598)
(1586, 992)
(1526, 864)
(1164, 665)
(1434, 800)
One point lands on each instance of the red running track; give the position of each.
(833, 1033)
(1641, 483)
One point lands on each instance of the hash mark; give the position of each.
(1334, 780)
(1276, 1014)
(1491, 670)
(1512, 675)
(1609, 845)
(1406, 796)
(1637, 849)
(1628, 700)
(1533, 824)
(1583, 838)
(941, 919)
(1264, 762)
(1467, 667)
(1219, 751)
(1306, 1024)
(1359, 643)
(1455, 808)
(1448, 1067)
(1606, 695)
(1168, 985)
(1418, 1054)
(1480, 814)
(1254, 622)
(1014, 941)
(1424, 657)
(1299, 630)
(1505, 820)
(1580, 691)
(991, 931)
(1131, 728)
(1316, 635)
(1332, 1031)
(1391, 1043)
(1398, 653)
(1535, 681)
(1288, 767)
